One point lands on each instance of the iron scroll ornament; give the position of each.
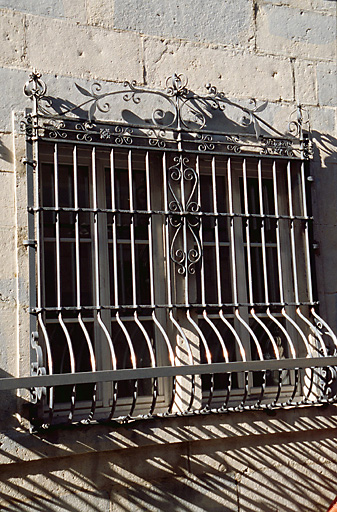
(180, 110)
(182, 218)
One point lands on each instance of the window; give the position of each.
(167, 247)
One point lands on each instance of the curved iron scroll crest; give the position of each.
(180, 108)
(185, 246)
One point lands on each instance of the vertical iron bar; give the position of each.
(306, 234)
(58, 280)
(132, 231)
(152, 297)
(168, 271)
(292, 232)
(114, 227)
(247, 222)
(263, 234)
(115, 271)
(40, 280)
(232, 240)
(167, 238)
(278, 238)
(217, 244)
(133, 266)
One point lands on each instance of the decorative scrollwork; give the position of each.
(157, 142)
(124, 135)
(207, 142)
(307, 148)
(176, 84)
(26, 125)
(183, 208)
(55, 128)
(234, 143)
(157, 137)
(233, 147)
(104, 133)
(178, 110)
(250, 117)
(35, 87)
(37, 368)
(300, 123)
(84, 131)
(280, 147)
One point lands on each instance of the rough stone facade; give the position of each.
(282, 51)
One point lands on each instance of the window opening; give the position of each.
(171, 248)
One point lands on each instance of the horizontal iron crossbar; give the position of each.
(9, 383)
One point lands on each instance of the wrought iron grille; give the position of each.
(170, 260)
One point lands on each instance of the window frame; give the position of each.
(181, 141)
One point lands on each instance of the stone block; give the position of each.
(12, 38)
(229, 22)
(327, 84)
(8, 354)
(75, 10)
(7, 187)
(82, 51)
(296, 33)
(6, 153)
(100, 12)
(323, 120)
(41, 7)
(236, 74)
(324, 5)
(12, 97)
(305, 82)
(7, 266)
(303, 4)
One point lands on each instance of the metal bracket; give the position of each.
(27, 161)
(30, 243)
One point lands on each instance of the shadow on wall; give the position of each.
(325, 145)
(235, 462)
(5, 153)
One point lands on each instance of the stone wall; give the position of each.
(282, 51)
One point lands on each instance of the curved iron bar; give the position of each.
(133, 362)
(152, 359)
(171, 357)
(208, 355)
(50, 366)
(72, 365)
(190, 356)
(243, 356)
(324, 324)
(320, 323)
(113, 361)
(224, 353)
(314, 329)
(292, 351)
(93, 366)
(307, 346)
(260, 354)
(276, 352)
